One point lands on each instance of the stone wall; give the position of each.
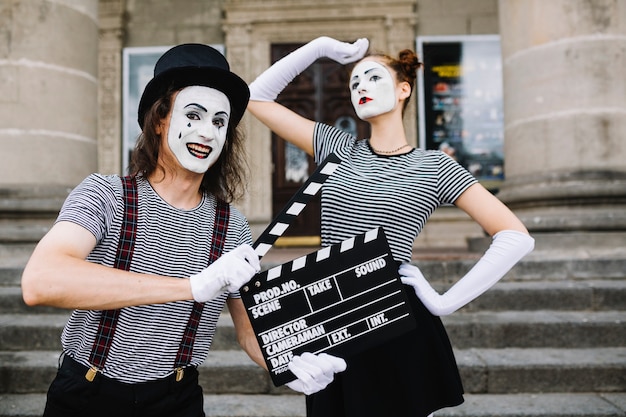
(67, 68)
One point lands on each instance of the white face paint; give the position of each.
(372, 89)
(197, 128)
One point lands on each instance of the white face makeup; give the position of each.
(197, 128)
(372, 89)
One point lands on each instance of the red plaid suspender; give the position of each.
(185, 350)
(126, 246)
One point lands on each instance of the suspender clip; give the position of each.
(91, 374)
(180, 373)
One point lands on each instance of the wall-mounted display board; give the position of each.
(460, 102)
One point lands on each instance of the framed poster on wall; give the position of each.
(137, 69)
(460, 102)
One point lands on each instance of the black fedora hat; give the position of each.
(195, 64)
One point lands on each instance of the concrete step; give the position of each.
(43, 332)
(568, 295)
(537, 329)
(14, 254)
(475, 405)
(484, 371)
(10, 275)
(572, 295)
(483, 329)
(535, 267)
(547, 263)
(11, 302)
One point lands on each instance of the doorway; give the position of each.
(320, 93)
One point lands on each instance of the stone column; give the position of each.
(48, 109)
(110, 18)
(564, 67)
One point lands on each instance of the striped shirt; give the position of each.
(170, 242)
(398, 192)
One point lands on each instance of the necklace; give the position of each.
(388, 152)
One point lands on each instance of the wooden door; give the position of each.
(320, 93)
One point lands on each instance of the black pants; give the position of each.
(71, 395)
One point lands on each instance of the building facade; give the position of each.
(564, 93)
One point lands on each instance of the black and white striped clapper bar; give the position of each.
(341, 299)
(295, 206)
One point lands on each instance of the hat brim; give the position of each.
(227, 82)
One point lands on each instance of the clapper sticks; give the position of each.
(295, 206)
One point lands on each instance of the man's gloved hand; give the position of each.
(507, 248)
(228, 273)
(270, 83)
(314, 372)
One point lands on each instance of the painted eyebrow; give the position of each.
(366, 71)
(197, 105)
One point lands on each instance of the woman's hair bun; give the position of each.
(410, 63)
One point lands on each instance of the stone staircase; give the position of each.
(549, 340)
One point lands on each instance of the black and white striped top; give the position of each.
(397, 192)
(170, 242)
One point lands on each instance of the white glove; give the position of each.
(314, 372)
(507, 248)
(270, 83)
(228, 273)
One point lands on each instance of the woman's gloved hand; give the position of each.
(272, 81)
(507, 248)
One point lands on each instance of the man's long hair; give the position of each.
(225, 178)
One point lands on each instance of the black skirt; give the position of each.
(409, 376)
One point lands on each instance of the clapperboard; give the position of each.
(341, 299)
